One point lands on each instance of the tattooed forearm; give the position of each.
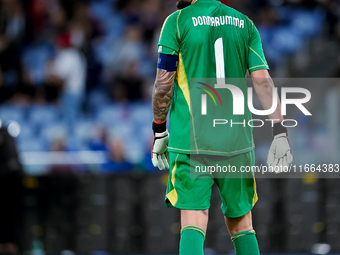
(162, 94)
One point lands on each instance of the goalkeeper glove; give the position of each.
(160, 154)
(280, 154)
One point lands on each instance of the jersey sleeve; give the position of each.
(169, 39)
(256, 58)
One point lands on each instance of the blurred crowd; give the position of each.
(79, 55)
(93, 59)
(72, 31)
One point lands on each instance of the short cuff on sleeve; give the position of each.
(259, 67)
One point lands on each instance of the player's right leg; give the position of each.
(243, 235)
(194, 225)
(191, 193)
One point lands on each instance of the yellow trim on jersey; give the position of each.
(160, 35)
(179, 33)
(172, 195)
(255, 198)
(220, 152)
(183, 84)
(258, 56)
(183, 81)
(194, 132)
(257, 66)
(165, 23)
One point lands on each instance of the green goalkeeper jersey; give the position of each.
(212, 41)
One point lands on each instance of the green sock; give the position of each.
(192, 239)
(245, 243)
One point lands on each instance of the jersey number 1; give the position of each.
(219, 58)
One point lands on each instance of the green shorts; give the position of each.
(191, 180)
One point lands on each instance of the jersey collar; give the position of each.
(202, 1)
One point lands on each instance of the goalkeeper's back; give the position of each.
(212, 41)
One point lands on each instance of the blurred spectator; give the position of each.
(67, 72)
(10, 195)
(25, 91)
(267, 17)
(13, 79)
(127, 50)
(304, 3)
(151, 17)
(9, 60)
(128, 86)
(101, 143)
(332, 17)
(58, 145)
(123, 69)
(38, 14)
(117, 161)
(5, 92)
(59, 19)
(130, 9)
(13, 20)
(84, 27)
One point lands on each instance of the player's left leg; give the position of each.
(243, 235)
(194, 225)
(238, 194)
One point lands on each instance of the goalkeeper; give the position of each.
(207, 39)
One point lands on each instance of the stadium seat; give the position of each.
(43, 115)
(73, 143)
(85, 131)
(9, 112)
(111, 114)
(28, 130)
(285, 41)
(101, 9)
(134, 151)
(32, 144)
(52, 131)
(104, 48)
(142, 113)
(97, 100)
(306, 23)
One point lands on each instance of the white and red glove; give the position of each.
(159, 153)
(280, 155)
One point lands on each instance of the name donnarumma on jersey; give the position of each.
(217, 21)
